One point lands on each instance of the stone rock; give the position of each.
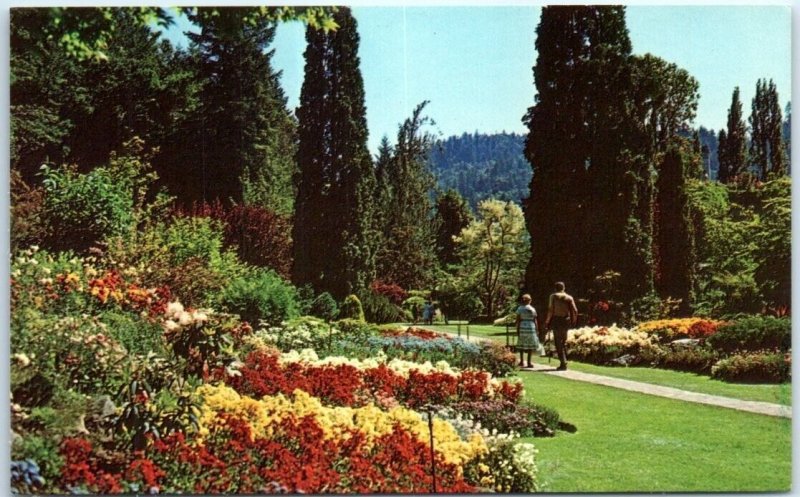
(103, 407)
(685, 343)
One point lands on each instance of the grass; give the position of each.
(777, 394)
(629, 442)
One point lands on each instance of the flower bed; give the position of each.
(349, 382)
(602, 344)
(672, 329)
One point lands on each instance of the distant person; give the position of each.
(561, 314)
(427, 312)
(527, 339)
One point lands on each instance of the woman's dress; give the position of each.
(528, 339)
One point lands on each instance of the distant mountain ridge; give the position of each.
(481, 166)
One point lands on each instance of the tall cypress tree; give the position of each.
(408, 255)
(334, 243)
(732, 159)
(675, 234)
(766, 143)
(577, 130)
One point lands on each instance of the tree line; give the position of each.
(614, 171)
(615, 168)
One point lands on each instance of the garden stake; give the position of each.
(433, 459)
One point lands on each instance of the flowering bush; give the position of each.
(306, 332)
(392, 291)
(602, 344)
(508, 467)
(762, 366)
(671, 329)
(507, 417)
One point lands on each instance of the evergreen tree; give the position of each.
(408, 255)
(334, 243)
(244, 133)
(766, 143)
(787, 136)
(453, 215)
(577, 131)
(675, 232)
(732, 160)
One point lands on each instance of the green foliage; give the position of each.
(186, 253)
(766, 140)
(84, 209)
(261, 296)
(761, 367)
(725, 251)
(334, 247)
(351, 309)
(732, 151)
(491, 248)
(305, 332)
(408, 255)
(675, 230)
(773, 244)
(28, 222)
(88, 33)
(379, 309)
(753, 333)
(458, 299)
(452, 216)
(494, 358)
(481, 166)
(355, 331)
(324, 306)
(136, 335)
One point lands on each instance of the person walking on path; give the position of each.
(527, 339)
(427, 313)
(561, 314)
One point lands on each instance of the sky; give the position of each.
(474, 63)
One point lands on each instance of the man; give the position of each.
(561, 314)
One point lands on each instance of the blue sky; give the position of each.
(474, 62)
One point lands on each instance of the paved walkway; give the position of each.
(766, 408)
(671, 393)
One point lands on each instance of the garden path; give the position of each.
(765, 408)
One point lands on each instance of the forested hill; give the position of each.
(481, 166)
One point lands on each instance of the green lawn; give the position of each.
(778, 394)
(629, 442)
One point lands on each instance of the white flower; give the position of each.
(22, 359)
(184, 318)
(174, 309)
(199, 317)
(171, 325)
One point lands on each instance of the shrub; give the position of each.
(260, 237)
(83, 209)
(324, 306)
(186, 253)
(379, 309)
(351, 309)
(263, 296)
(28, 223)
(525, 419)
(753, 333)
(691, 359)
(494, 358)
(355, 330)
(763, 366)
(138, 336)
(391, 291)
(305, 332)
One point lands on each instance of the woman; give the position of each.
(527, 340)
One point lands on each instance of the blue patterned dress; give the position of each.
(528, 339)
